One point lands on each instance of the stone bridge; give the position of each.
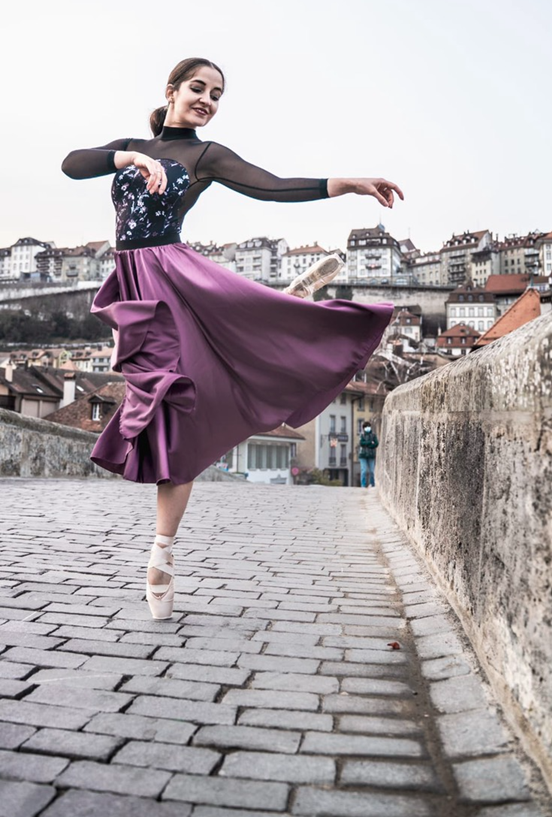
(334, 652)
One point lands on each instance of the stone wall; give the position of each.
(31, 447)
(465, 468)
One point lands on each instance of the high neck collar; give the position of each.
(177, 133)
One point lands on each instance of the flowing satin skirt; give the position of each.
(210, 358)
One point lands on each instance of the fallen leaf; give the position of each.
(394, 645)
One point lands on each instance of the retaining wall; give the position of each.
(465, 468)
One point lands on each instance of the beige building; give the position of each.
(456, 255)
(472, 306)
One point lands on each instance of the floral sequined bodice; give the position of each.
(141, 215)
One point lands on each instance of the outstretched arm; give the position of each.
(218, 163)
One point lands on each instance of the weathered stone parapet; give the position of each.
(465, 468)
(32, 447)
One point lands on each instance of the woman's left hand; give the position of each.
(382, 189)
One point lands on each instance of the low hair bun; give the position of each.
(157, 118)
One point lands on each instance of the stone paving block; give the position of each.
(376, 686)
(294, 682)
(361, 620)
(431, 625)
(354, 704)
(223, 644)
(97, 700)
(363, 670)
(76, 678)
(308, 639)
(216, 658)
(11, 688)
(476, 732)
(172, 688)
(116, 649)
(318, 743)
(387, 775)
(286, 768)
(281, 615)
(387, 656)
(512, 810)
(423, 609)
(458, 694)
(22, 636)
(167, 756)
(282, 719)
(303, 629)
(125, 666)
(34, 714)
(84, 633)
(438, 669)
(378, 726)
(12, 735)
(227, 792)
(23, 799)
(213, 811)
(35, 768)
(491, 780)
(246, 737)
(44, 658)
(312, 802)
(273, 663)
(303, 651)
(70, 744)
(14, 671)
(77, 803)
(152, 639)
(214, 675)
(74, 620)
(17, 614)
(85, 774)
(194, 711)
(271, 699)
(142, 728)
(441, 644)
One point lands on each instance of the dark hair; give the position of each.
(184, 70)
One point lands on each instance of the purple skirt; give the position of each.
(210, 358)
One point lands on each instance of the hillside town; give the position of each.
(449, 303)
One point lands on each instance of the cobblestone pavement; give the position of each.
(273, 691)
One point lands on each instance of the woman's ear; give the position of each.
(169, 93)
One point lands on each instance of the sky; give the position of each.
(450, 100)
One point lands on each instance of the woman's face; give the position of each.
(195, 102)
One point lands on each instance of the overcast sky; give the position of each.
(451, 100)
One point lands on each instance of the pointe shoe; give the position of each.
(160, 597)
(316, 276)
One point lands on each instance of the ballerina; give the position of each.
(209, 357)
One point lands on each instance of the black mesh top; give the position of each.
(199, 163)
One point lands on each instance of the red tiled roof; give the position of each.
(525, 309)
(512, 282)
(461, 330)
(314, 248)
(78, 413)
(281, 431)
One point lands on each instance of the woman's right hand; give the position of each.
(152, 170)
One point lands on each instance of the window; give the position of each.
(293, 449)
(332, 423)
(489, 310)
(462, 312)
(452, 312)
(464, 341)
(96, 414)
(343, 399)
(471, 312)
(361, 404)
(449, 341)
(343, 425)
(481, 325)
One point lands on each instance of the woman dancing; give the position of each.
(209, 357)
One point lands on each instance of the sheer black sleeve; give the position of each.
(218, 163)
(87, 163)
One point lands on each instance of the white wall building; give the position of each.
(265, 457)
(373, 256)
(296, 261)
(21, 263)
(260, 258)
